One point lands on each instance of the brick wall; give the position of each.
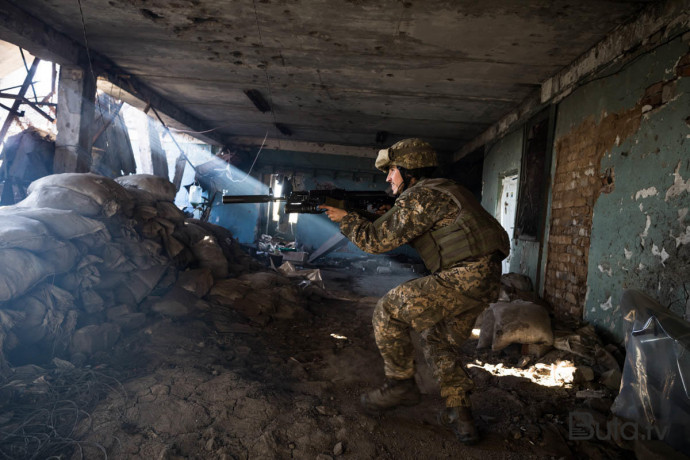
(577, 185)
(578, 182)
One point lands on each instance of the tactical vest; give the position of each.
(474, 233)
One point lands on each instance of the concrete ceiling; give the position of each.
(338, 72)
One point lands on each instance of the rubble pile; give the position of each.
(81, 252)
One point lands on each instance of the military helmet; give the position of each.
(408, 153)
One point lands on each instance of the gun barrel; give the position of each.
(236, 199)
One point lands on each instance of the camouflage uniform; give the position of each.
(442, 307)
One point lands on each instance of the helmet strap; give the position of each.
(406, 177)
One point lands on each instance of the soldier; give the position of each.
(462, 245)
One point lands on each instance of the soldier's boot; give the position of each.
(393, 393)
(461, 422)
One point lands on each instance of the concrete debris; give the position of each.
(584, 343)
(311, 275)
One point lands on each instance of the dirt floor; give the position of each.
(218, 383)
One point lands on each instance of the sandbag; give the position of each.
(520, 322)
(61, 198)
(210, 255)
(160, 187)
(96, 337)
(517, 281)
(61, 223)
(24, 233)
(19, 271)
(44, 308)
(139, 284)
(141, 197)
(109, 196)
(239, 261)
(189, 233)
(198, 281)
(168, 210)
(486, 328)
(60, 259)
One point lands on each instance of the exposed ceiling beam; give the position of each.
(309, 147)
(41, 40)
(36, 36)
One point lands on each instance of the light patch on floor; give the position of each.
(558, 374)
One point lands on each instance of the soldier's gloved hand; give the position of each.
(384, 208)
(335, 214)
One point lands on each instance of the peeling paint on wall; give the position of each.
(663, 254)
(683, 238)
(646, 193)
(606, 305)
(679, 186)
(605, 269)
(639, 232)
(645, 233)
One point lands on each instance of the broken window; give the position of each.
(534, 175)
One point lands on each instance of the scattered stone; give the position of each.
(656, 450)
(328, 411)
(338, 449)
(524, 361)
(602, 405)
(130, 321)
(62, 364)
(611, 379)
(175, 303)
(537, 350)
(586, 394)
(96, 337)
(198, 281)
(583, 374)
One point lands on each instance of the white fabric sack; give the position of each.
(520, 322)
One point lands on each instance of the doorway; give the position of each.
(508, 203)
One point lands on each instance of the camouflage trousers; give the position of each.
(443, 308)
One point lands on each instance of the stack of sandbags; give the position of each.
(84, 250)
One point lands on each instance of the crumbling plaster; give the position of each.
(638, 231)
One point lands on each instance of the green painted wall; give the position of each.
(640, 236)
(502, 159)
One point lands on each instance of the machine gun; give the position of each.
(308, 201)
